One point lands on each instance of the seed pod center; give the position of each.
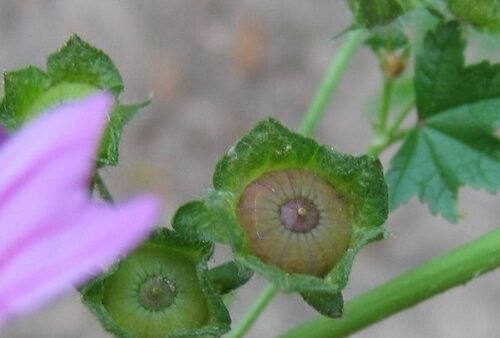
(295, 220)
(299, 215)
(157, 293)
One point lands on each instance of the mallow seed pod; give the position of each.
(295, 220)
(73, 72)
(292, 210)
(160, 290)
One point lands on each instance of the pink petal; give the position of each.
(65, 255)
(46, 167)
(51, 235)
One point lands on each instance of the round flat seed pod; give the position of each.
(295, 220)
(154, 292)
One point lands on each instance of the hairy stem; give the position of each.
(330, 81)
(451, 269)
(251, 316)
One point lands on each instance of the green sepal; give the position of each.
(389, 38)
(197, 252)
(229, 276)
(195, 220)
(339, 276)
(326, 303)
(21, 88)
(270, 146)
(371, 13)
(79, 62)
(454, 142)
(73, 72)
(120, 116)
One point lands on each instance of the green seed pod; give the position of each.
(160, 290)
(292, 210)
(57, 95)
(295, 220)
(73, 72)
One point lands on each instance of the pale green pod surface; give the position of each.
(160, 290)
(73, 72)
(292, 210)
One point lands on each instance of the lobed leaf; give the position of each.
(454, 143)
(483, 15)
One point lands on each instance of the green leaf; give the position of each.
(438, 71)
(484, 15)
(229, 276)
(77, 61)
(115, 297)
(328, 304)
(455, 142)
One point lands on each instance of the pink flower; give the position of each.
(51, 234)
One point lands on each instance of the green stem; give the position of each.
(101, 188)
(330, 81)
(388, 136)
(386, 102)
(384, 141)
(451, 269)
(246, 323)
(400, 118)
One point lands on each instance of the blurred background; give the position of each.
(215, 68)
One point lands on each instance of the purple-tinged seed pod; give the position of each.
(295, 220)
